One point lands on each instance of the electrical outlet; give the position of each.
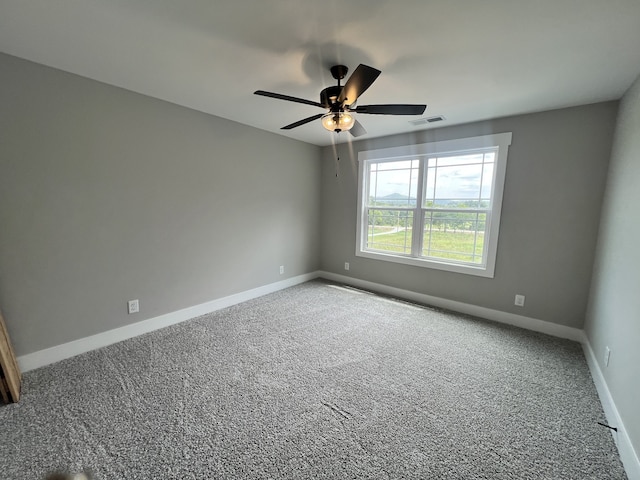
(281, 269)
(133, 306)
(607, 354)
(519, 300)
(346, 265)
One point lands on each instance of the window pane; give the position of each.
(460, 160)
(458, 182)
(454, 236)
(462, 181)
(430, 187)
(393, 183)
(390, 230)
(400, 164)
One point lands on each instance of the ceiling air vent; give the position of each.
(426, 120)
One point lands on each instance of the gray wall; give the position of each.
(554, 185)
(613, 317)
(107, 195)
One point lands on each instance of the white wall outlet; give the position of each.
(133, 306)
(281, 269)
(519, 300)
(607, 354)
(346, 265)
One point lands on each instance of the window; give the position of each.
(434, 205)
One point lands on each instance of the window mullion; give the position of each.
(418, 217)
(364, 228)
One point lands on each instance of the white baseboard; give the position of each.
(66, 350)
(627, 454)
(496, 315)
(47, 356)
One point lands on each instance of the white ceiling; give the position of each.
(466, 59)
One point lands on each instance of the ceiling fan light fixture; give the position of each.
(338, 121)
(338, 102)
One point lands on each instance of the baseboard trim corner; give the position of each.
(54, 354)
(628, 455)
(521, 321)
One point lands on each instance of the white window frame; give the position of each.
(500, 141)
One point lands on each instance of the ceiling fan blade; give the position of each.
(357, 129)
(288, 98)
(391, 109)
(358, 82)
(302, 122)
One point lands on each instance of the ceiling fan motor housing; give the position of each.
(339, 72)
(329, 95)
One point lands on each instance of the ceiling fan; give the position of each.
(340, 101)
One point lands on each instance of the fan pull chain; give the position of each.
(336, 146)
